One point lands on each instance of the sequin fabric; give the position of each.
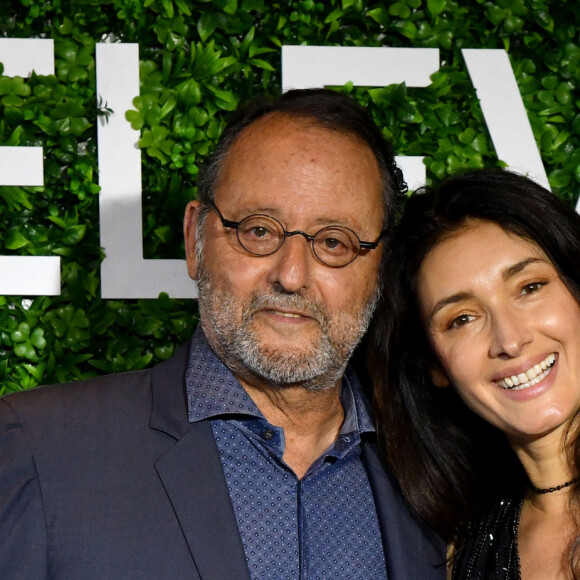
(491, 551)
(322, 526)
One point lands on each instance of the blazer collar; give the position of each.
(169, 405)
(193, 478)
(411, 549)
(194, 481)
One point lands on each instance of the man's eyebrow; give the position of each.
(453, 299)
(510, 271)
(335, 222)
(321, 221)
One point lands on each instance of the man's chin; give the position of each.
(286, 331)
(292, 374)
(284, 364)
(287, 339)
(286, 354)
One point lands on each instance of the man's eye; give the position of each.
(333, 244)
(333, 241)
(258, 232)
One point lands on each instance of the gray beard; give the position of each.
(316, 368)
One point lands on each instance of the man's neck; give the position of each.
(311, 420)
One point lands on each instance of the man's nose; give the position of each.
(292, 263)
(510, 333)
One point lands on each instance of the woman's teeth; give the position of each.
(531, 377)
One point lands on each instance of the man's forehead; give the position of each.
(282, 128)
(295, 169)
(279, 119)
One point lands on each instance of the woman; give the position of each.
(475, 357)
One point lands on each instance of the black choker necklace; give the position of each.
(551, 489)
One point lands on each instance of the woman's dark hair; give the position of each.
(449, 462)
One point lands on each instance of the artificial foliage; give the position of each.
(199, 60)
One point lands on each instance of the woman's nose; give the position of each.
(509, 335)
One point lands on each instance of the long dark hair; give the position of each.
(450, 462)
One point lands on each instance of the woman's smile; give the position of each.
(530, 377)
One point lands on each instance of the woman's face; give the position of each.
(505, 328)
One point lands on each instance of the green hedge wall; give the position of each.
(199, 59)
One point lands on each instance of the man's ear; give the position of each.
(438, 376)
(189, 231)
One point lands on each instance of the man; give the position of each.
(250, 453)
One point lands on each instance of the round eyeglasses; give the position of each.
(262, 235)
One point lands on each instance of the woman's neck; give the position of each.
(546, 461)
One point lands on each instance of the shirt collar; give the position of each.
(213, 391)
(357, 415)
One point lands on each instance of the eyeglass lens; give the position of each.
(262, 235)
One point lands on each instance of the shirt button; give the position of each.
(268, 434)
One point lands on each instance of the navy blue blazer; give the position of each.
(106, 479)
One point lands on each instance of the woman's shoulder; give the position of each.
(489, 551)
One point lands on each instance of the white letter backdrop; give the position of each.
(124, 271)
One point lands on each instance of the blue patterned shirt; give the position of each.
(319, 527)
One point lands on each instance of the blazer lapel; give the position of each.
(411, 550)
(193, 478)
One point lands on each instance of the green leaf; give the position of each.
(15, 197)
(189, 93)
(543, 18)
(15, 137)
(14, 86)
(496, 14)
(206, 26)
(336, 15)
(168, 107)
(467, 136)
(73, 235)
(21, 333)
(25, 350)
(228, 6)
(261, 64)
(15, 240)
(399, 9)
(409, 30)
(435, 7)
(12, 101)
(183, 7)
(37, 338)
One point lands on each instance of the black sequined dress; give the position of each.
(490, 552)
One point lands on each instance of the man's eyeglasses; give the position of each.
(262, 235)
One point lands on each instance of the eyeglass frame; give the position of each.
(235, 225)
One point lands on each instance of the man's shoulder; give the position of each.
(92, 401)
(114, 393)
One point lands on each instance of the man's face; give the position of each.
(286, 318)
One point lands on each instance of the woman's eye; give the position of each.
(532, 287)
(461, 320)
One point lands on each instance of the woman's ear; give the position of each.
(438, 376)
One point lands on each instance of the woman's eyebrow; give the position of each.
(453, 299)
(514, 269)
